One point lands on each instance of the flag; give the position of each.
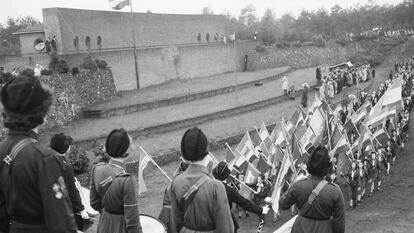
(278, 156)
(317, 124)
(344, 163)
(382, 116)
(274, 133)
(336, 136)
(341, 146)
(359, 115)
(144, 158)
(301, 118)
(262, 165)
(254, 135)
(280, 180)
(263, 133)
(245, 147)
(350, 129)
(381, 136)
(212, 163)
(118, 4)
(251, 174)
(230, 157)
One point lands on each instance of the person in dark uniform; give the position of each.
(321, 204)
(61, 144)
(33, 190)
(221, 172)
(113, 190)
(199, 202)
(165, 214)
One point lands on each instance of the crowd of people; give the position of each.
(369, 164)
(38, 192)
(340, 77)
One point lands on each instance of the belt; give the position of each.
(188, 230)
(29, 220)
(315, 219)
(201, 229)
(114, 212)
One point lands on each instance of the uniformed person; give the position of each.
(61, 144)
(221, 172)
(321, 204)
(33, 191)
(113, 191)
(199, 203)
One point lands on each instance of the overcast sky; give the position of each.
(16, 8)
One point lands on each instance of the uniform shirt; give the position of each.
(72, 190)
(117, 196)
(37, 193)
(329, 203)
(209, 209)
(234, 197)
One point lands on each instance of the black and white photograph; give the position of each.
(213, 116)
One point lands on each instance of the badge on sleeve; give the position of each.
(60, 189)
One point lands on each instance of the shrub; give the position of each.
(46, 72)
(342, 41)
(89, 64)
(62, 67)
(318, 41)
(101, 63)
(79, 161)
(260, 48)
(54, 60)
(296, 44)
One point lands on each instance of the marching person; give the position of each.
(199, 202)
(61, 144)
(221, 172)
(353, 185)
(113, 191)
(33, 190)
(321, 204)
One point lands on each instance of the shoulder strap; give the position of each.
(8, 160)
(190, 194)
(316, 191)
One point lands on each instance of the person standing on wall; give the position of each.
(199, 202)
(33, 190)
(321, 204)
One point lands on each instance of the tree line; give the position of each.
(333, 23)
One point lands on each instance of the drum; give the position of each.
(151, 225)
(287, 227)
(84, 193)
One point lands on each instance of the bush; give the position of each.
(101, 63)
(62, 67)
(54, 60)
(79, 161)
(46, 72)
(89, 64)
(342, 41)
(260, 48)
(318, 41)
(296, 44)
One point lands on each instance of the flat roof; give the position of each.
(32, 29)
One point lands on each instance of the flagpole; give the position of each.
(241, 182)
(134, 44)
(162, 171)
(327, 128)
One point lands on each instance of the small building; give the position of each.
(32, 39)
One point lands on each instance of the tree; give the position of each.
(207, 11)
(268, 30)
(10, 42)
